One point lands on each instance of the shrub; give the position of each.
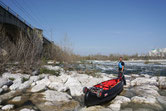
(47, 71)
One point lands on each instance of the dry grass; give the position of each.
(20, 47)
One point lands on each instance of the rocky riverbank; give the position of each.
(46, 92)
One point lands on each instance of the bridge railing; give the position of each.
(15, 14)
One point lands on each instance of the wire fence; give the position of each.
(15, 14)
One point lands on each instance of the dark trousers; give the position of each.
(122, 77)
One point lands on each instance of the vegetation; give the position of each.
(115, 57)
(25, 79)
(47, 71)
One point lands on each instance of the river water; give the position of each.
(153, 67)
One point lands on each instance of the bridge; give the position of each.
(8, 16)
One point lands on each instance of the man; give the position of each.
(121, 66)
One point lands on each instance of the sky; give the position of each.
(98, 26)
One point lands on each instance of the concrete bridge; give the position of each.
(9, 17)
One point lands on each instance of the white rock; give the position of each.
(162, 82)
(25, 109)
(25, 85)
(128, 83)
(56, 68)
(56, 96)
(5, 87)
(33, 84)
(54, 101)
(55, 79)
(16, 99)
(146, 90)
(75, 86)
(63, 77)
(143, 81)
(36, 72)
(121, 100)
(15, 76)
(45, 81)
(38, 88)
(115, 107)
(95, 108)
(141, 100)
(15, 85)
(34, 78)
(134, 75)
(162, 100)
(3, 81)
(57, 86)
(145, 75)
(8, 107)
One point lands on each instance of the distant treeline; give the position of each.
(114, 57)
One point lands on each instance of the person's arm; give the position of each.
(122, 66)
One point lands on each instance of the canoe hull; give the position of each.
(91, 98)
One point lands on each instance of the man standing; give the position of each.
(121, 66)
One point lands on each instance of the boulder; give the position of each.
(15, 76)
(9, 95)
(45, 81)
(56, 96)
(95, 108)
(75, 86)
(64, 77)
(16, 99)
(54, 101)
(56, 68)
(147, 100)
(34, 78)
(143, 81)
(115, 106)
(38, 88)
(146, 90)
(162, 82)
(58, 86)
(5, 88)
(116, 103)
(17, 83)
(128, 83)
(3, 81)
(25, 85)
(8, 107)
(162, 100)
(134, 75)
(55, 79)
(121, 100)
(36, 72)
(26, 109)
(19, 100)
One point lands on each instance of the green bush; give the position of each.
(12, 79)
(25, 79)
(47, 71)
